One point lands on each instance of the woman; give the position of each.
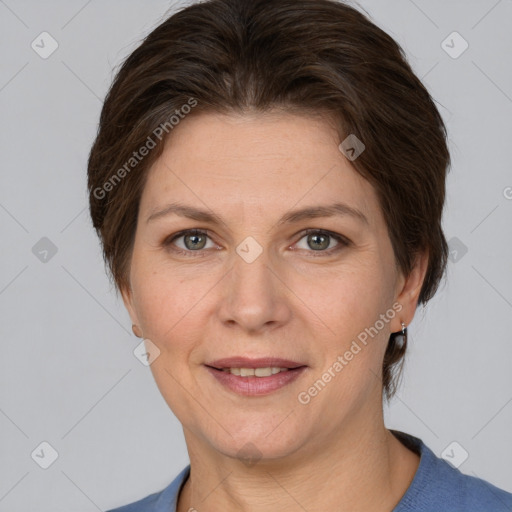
(268, 182)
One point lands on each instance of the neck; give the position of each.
(364, 468)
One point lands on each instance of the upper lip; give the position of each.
(260, 362)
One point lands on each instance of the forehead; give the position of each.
(274, 160)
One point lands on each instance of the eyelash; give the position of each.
(342, 241)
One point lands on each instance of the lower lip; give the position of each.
(256, 386)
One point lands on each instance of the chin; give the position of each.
(252, 451)
(258, 442)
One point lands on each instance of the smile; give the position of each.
(256, 372)
(255, 381)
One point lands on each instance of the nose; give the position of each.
(255, 297)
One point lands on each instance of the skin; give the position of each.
(293, 302)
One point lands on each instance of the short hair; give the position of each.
(314, 57)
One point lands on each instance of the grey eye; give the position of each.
(318, 241)
(194, 241)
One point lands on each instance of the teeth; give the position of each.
(255, 372)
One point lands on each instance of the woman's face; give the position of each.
(255, 284)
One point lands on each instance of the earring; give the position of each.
(136, 331)
(401, 338)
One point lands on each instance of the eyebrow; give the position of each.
(331, 210)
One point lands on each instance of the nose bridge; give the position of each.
(251, 268)
(254, 296)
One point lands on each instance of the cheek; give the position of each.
(351, 300)
(163, 294)
(353, 346)
(353, 349)
(170, 311)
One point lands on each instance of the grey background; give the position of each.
(68, 375)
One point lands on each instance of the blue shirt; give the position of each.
(436, 487)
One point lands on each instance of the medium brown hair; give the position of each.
(310, 56)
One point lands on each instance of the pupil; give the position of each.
(196, 241)
(316, 237)
(321, 241)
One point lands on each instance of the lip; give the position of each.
(255, 386)
(261, 362)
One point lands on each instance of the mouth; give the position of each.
(254, 372)
(255, 377)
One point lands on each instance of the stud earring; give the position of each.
(401, 338)
(136, 331)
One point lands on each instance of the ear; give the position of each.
(127, 296)
(408, 291)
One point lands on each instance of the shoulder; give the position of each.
(482, 495)
(162, 501)
(144, 505)
(456, 491)
(437, 485)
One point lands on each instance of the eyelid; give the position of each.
(342, 240)
(193, 231)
